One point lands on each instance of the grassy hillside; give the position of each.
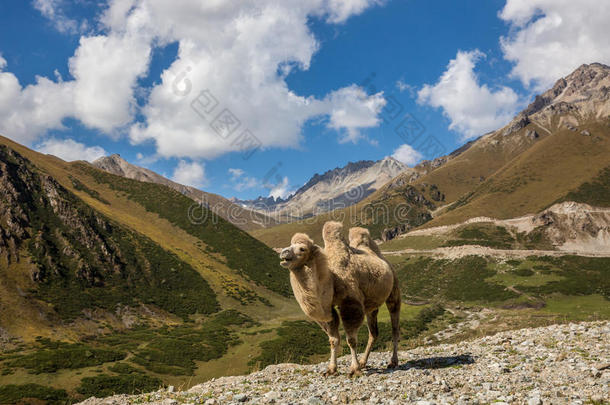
(241, 251)
(595, 192)
(539, 177)
(108, 289)
(81, 260)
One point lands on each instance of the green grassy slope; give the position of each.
(241, 251)
(113, 289)
(539, 177)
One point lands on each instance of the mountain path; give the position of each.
(456, 252)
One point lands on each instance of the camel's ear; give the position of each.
(314, 252)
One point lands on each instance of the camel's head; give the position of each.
(301, 250)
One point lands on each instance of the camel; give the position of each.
(356, 280)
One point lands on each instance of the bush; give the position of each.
(460, 280)
(67, 357)
(523, 272)
(296, 342)
(11, 394)
(104, 385)
(596, 192)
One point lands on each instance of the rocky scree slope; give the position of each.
(567, 363)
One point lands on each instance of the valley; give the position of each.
(116, 280)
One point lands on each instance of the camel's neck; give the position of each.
(313, 289)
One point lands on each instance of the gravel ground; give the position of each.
(558, 364)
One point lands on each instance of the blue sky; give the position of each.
(316, 83)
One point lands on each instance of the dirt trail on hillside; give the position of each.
(456, 252)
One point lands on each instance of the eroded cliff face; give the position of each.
(576, 227)
(60, 232)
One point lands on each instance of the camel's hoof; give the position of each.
(329, 372)
(362, 364)
(393, 364)
(355, 373)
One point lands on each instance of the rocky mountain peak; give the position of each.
(583, 92)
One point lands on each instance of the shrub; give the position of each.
(68, 357)
(11, 394)
(523, 272)
(105, 385)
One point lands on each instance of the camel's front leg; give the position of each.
(352, 316)
(334, 338)
(371, 320)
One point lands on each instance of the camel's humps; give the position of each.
(355, 279)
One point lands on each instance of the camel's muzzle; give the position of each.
(287, 256)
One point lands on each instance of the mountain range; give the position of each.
(554, 147)
(336, 188)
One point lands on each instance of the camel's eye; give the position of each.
(302, 249)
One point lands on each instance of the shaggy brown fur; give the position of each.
(355, 279)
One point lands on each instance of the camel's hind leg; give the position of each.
(371, 320)
(393, 304)
(352, 315)
(334, 338)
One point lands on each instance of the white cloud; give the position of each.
(351, 110)
(281, 190)
(242, 182)
(70, 150)
(236, 173)
(27, 113)
(240, 50)
(52, 9)
(407, 155)
(189, 174)
(551, 38)
(106, 69)
(472, 108)
(402, 87)
(341, 10)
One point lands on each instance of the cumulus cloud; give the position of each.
(402, 87)
(70, 150)
(551, 38)
(28, 112)
(190, 174)
(281, 190)
(236, 173)
(407, 155)
(242, 182)
(52, 9)
(341, 10)
(472, 108)
(239, 51)
(352, 110)
(239, 54)
(105, 69)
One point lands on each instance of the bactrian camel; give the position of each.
(354, 278)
